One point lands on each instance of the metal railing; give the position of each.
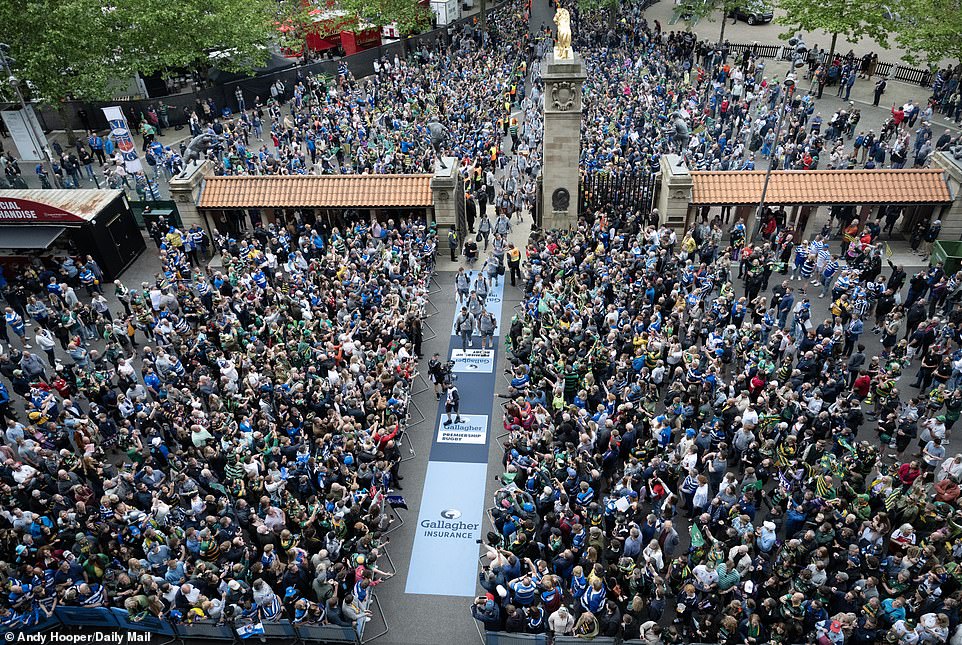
(891, 71)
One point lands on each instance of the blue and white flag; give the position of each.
(123, 138)
(251, 629)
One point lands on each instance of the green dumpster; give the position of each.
(949, 253)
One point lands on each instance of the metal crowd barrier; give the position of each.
(424, 385)
(411, 452)
(395, 526)
(411, 424)
(432, 336)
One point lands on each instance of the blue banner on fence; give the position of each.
(43, 625)
(88, 616)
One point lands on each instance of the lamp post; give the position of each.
(37, 140)
(789, 85)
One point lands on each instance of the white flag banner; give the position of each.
(123, 138)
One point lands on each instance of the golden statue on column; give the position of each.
(562, 44)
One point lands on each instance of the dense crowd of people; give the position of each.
(641, 79)
(227, 454)
(379, 124)
(693, 458)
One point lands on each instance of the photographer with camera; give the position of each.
(436, 373)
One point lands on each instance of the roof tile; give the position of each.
(311, 191)
(917, 186)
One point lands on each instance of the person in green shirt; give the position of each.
(728, 576)
(148, 132)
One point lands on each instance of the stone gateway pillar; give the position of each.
(560, 177)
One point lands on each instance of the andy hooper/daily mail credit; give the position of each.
(48, 638)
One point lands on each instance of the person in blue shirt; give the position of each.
(152, 382)
(594, 596)
(893, 610)
(5, 408)
(524, 591)
(16, 323)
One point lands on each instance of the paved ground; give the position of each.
(770, 33)
(434, 619)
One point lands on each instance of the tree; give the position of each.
(62, 48)
(698, 9)
(74, 49)
(610, 7)
(165, 34)
(930, 31)
(850, 18)
(294, 22)
(409, 16)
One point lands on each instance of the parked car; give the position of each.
(755, 14)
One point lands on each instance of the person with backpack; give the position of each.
(464, 327)
(487, 324)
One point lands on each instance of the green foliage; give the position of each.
(699, 9)
(610, 7)
(850, 18)
(61, 48)
(598, 5)
(408, 14)
(930, 31)
(74, 48)
(296, 22)
(164, 34)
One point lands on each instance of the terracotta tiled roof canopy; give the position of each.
(789, 187)
(310, 191)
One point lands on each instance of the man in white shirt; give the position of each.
(561, 622)
(23, 474)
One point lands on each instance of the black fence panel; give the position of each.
(602, 191)
(893, 71)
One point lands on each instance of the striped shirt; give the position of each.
(524, 594)
(271, 608)
(96, 596)
(594, 600)
(578, 586)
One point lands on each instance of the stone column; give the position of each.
(443, 185)
(563, 79)
(950, 215)
(675, 194)
(186, 191)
